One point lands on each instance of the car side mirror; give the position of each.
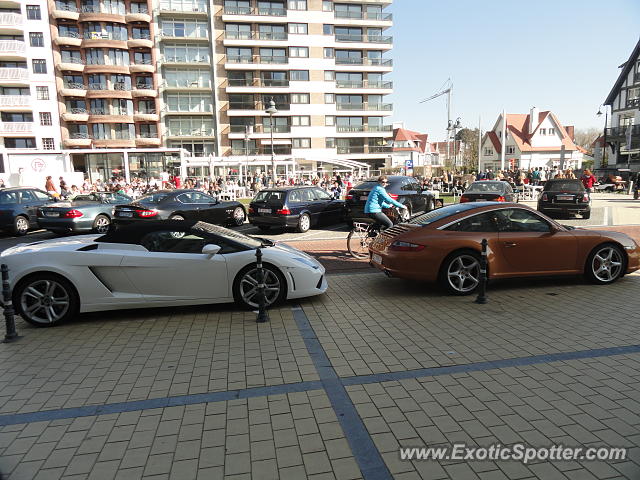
(210, 249)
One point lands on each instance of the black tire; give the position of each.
(64, 288)
(470, 266)
(304, 223)
(264, 228)
(20, 225)
(636, 194)
(598, 258)
(238, 216)
(101, 224)
(271, 273)
(358, 244)
(586, 215)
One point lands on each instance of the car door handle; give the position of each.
(510, 244)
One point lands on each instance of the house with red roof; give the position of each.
(412, 148)
(534, 139)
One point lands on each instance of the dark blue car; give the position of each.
(19, 208)
(295, 207)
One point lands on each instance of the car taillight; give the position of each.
(283, 211)
(393, 195)
(464, 199)
(399, 246)
(501, 199)
(545, 197)
(251, 210)
(349, 197)
(72, 214)
(585, 198)
(147, 213)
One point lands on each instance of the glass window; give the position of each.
(520, 220)
(33, 12)
(39, 65)
(297, 4)
(28, 142)
(485, 222)
(301, 120)
(174, 242)
(327, 29)
(42, 93)
(299, 75)
(329, 120)
(48, 144)
(45, 118)
(329, 76)
(328, 52)
(301, 143)
(299, 52)
(298, 28)
(36, 39)
(327, 5)
(300, 98)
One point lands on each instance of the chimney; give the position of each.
(570, 132)
(533, 119)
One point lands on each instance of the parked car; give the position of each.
(180, 205)
(295, 207)
(19, 208)
(406, 190)
(153, 264)
(565, 196)
(489, 190)
(444, 247)
(85, 213)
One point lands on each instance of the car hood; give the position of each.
(57, 244)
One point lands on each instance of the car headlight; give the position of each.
(307, 262)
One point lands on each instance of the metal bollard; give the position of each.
(263, 316)
(7, 305)
(482, 294)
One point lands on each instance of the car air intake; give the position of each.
(88, 248)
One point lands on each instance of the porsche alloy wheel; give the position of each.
(461, 273)
(45, 300)
(238, 216)
(247, 282)
(606, 264)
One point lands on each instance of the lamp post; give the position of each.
(604, 139)
(271, 111)
(453, 127)
(248, 130)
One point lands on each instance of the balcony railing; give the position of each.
(14, 74)
(78, 111)
(74, 86)
(239, 128)
(16, 127)
(244, 151)
(256, 35)
(379, 149)
(185, 84)
(276, 129)
(382, 62)
(271, 12)
(363, 38)
(243, 106)
(183, 6)
(97, 86)
(363, 128)
(621, 132)
(12, 46)
(279, 59)
(269, 59)
(189, 133)
(376, 107)
(137, 8)
(80, 136)
(97, 111)
(150, 111)
(68, 34)
(147, 135)
(9, 19)
(144, 86)
(115, 10)
(380, 107)
(363, 84)
(364, 15)
(123, 37)
(180, 59)
(143, 61)
(74, 60)
(362, 149)
(15, 100)
(65, 7)
(141, 36)
(239, 58)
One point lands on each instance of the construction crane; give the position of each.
(448, 90)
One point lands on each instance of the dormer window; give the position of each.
(552, 131)
(510, 150)
(543, 131)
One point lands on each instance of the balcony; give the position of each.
(191, 38)
(16, 127)
(107, 67)
(65, 12)
(376, 62)
(77, 140)
(147, 140)
(71, 89)
(196, 133)
(11, 20)
(276, 129)
(142, 40)
(185, 8)
(14, 75)
(105, 40)
(620, 133)
(144, 90)
(76, 115)
(15, 102)
(142, 66)
(149, 115)
(375, 107)
(264, 12)
(264, 151)
(378, 39)
(71, 64)
(95, 13)
(185, 85)
(140, 15)
(364, 84)
(102, 90)
(258, 83)
(363, 149)
(380, 17)
(12, 48)
(68, 39)
(269, 36)
(185, 60)
(364, 128)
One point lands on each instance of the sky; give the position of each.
(559, 55)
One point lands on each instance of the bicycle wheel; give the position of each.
(358, 243)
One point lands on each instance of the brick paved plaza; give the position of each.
(332, 388)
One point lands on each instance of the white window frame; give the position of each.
(488, 151)
(295, 28)
(300, 121)
(295, 97)
(301, 143)
(295, 52)
(297, 5)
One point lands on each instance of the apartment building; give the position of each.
(29, 125)
(324, 66)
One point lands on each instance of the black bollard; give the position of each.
(482, 294)
(7, 305)
(263, 316)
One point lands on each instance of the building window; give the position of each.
(48, 144)
(33, 12)
(298, 28)
(329, 52)
(297, 4)
(488, 151)
(551, 131)
(330, 142)
(39, 65)
(42, 93)
(510, 150)
(300, 98)
(36, 39)
(301, 143)
(299, 52)
(329, 76)
(299, 75)
(45, 119)
(329, 98)
(543, 131)
(329, 120)
(327, 6)
(301, 121)
(327, 29)
(28, 142)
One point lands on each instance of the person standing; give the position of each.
(588, 180)
(50, 188)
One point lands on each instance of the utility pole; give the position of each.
(503, 139)
(479, 140)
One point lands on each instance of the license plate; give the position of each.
(125, 214)
(565, 197)
(51, 214)
(364, 198)
(264, 210)
(376, 258)
(480, 200)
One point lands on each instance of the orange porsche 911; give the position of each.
(444, 246)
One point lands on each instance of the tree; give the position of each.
(585, 137)
(470, 153)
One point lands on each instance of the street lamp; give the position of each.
(604, 140)
(248, 130)
(272, 110)
(453, 127)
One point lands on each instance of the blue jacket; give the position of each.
(378, 199)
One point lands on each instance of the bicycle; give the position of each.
(364, 233)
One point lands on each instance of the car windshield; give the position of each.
(7, 198)
(269, 196)
(227, 234)
(441, 213)
(152, 199)
(574, 186)
(483, 187)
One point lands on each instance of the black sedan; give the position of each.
(489, 191)
(295, 207)
(85, 213)
(19, 208)
(406, 190)
(180, 205)
(563, 197)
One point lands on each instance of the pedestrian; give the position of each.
(336, 190)
(50, 188)
(588, 180)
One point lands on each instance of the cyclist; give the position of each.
(377, 200)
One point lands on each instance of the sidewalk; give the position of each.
(331, 389)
